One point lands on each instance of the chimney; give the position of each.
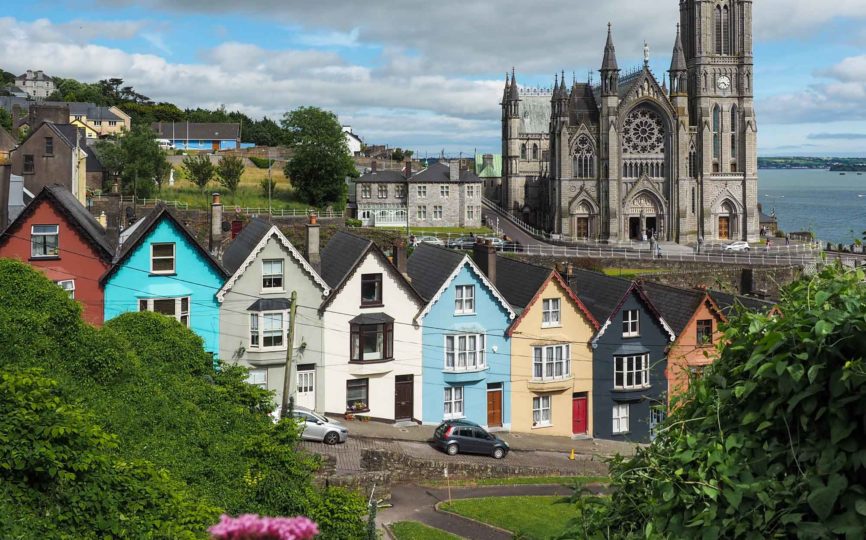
(484, 255)
(103, 220)
(454, 170)
(408, 168)
(487, 161)
(569, 272)
(216, 222)
(373, 166)
(312, 245)
(398, 256)
(6, 195)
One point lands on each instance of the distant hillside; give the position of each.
(833, 164)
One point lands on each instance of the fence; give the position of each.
(153, 202)
(292, 212)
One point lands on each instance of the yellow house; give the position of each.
(551, 357)
(98, 121)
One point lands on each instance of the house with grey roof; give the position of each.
(209, 136)
(36, 84)
(440, 195)
(265, 270)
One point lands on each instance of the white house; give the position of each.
(353, 141)
(372, 343)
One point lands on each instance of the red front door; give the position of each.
(579, 415)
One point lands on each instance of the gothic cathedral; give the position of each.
(630, 158)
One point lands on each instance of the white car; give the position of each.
(316, 427)
(429, 240)
(739, 245)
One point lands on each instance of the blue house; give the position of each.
(466, 353)
(629, 359)
(160, 267)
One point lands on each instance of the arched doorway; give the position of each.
(581, 221)
(727, 221)
(644, 217)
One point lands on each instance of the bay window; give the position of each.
(177, 308)
(464, 352)
(267, 330)
(551, 363)
(372, 342)
(68, 285)
(631, 372)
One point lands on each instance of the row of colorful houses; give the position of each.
(434, 335)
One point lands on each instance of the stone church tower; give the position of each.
(630, 157)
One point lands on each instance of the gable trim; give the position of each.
(634, 288)
(713, 307)
(553, 276)
(281, 238)
(450, 279)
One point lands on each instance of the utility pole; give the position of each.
(287, 379)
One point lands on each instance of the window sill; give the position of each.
(467, 370)
(163, 274)
(272, 291)
(45, 258)
(465, 314)
(358, 411)
(541, 426)
(265, 349)
(365, 306)
(28, 172)
(630, 337)
(620, 432)
(367, 362)
(551, 325)
(634, 389)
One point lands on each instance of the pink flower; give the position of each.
(253, 527)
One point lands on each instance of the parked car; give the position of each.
(463, 242)
(498, 243)
(320, 428)
(462, 436)
(739, 245)
(429, 240)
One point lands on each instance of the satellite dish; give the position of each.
(226, 226)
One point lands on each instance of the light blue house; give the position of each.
(160, 267)
(466, 353)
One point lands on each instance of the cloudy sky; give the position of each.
(428, 75)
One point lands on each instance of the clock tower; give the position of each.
(717, 41)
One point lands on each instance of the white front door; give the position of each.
(306, 389)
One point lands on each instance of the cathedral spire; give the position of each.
(609, 62)
(513, 94)
(555, 86)
(678, 61)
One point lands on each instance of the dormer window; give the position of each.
(44, 241)
(630, 323)
(371, 290)
(162, 258)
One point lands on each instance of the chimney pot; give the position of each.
(373, 166)
(399, 256)
(484, 255)
(314, 218)
(216, 223)
(216, 198)
(312, 244)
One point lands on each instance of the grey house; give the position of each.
(629, 357)
(254, 310)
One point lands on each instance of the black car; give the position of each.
(456, 436)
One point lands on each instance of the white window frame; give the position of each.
(470, 212)
(464, 300)
(306, 381)
(620, 418)
(282, 275)
(540, 405)
(444, 190)
(551, 314)
(553, 362)
(258, 377)
(173, 258)
(399, 191)
(259, 327)
(181, 316)
(41, 235)
(366, 191)
(437, 212)
(470, 192)
(465, 352)
(67, 285)
(382, 191)
(629, 376)
(630, 325)
(421, 212)
(422, 192)
(453, 402)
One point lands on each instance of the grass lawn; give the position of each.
(534, 518)
(413, 530)
(630, 273)
(525, 480)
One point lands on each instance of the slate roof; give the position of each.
(440, 173)
(66, 132)
(535, 112)
(600, 294)
(244, 243)
(143, 228)
(519, 281)
(382, 177)
(197, 130)
(340, 256)
(727, 301)
(675, 304)
(429, 267)
(78, 216)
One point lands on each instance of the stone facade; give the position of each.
(36, 84)
(632, 157)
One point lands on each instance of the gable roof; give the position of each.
(249, 243)
(676, 305)
(439, 172)
(519, 281)
(197, 130)
(433, 268)
(143, 228)
(727, 302)
(67, 132)
(554, 276)
(341, 258)
(64, 201)
(382, 177)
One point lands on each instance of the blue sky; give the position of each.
(428, 76)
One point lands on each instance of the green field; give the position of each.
(412, 530)
(533, 518)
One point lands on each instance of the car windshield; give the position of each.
(317, 416)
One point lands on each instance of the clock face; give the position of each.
(724, 82)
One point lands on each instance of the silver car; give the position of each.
(320, 428)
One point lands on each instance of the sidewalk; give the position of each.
(520, 442)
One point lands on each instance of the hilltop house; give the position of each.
(211, 137)
(36, 84)
(466, 348)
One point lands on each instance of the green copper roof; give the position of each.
(491, 171)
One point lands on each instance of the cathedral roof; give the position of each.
(535, 112)
(584, 106)
(609, 62)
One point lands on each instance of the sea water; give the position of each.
(831, 205)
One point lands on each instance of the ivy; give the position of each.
(770, 443)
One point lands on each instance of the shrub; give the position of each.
(353, 222)
(261, 163)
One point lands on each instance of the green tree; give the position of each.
(199, 169)
(398, 154)
(229, 170)
(6, 120)
(769, 443)
(137, 159)
(321, 161)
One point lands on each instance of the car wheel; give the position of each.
(452, 449)
(747, 249)
(498, 453)
(331, 437)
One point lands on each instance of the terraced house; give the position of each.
(466, 348)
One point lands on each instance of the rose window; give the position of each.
(643, 133)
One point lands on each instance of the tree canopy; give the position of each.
(229, 171)
(320, 162)
(137, 158)
(769, 443)
(199, 169)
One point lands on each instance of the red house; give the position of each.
(58, 235)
